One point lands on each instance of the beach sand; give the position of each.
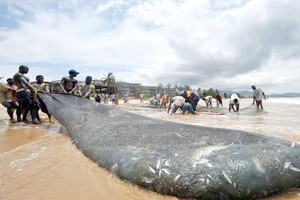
(40, 162)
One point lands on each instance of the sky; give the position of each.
(201, 43)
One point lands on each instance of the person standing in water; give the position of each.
(69, 84)
(258, 95)
(24, 90)
(38, 102)
(219, 100)
(7, 98)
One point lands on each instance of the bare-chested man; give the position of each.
(69, 84)
(24, 90)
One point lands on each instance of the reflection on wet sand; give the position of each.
(40, 162)
(37, 163)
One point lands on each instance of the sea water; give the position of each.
(287, 100)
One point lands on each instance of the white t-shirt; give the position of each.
(257, 94)
(233, 97)
(208, 98)
(178, 100)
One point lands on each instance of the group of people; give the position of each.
(69, 85)
(20, 95)
(208, 100)
(258, 96)
(187, 101)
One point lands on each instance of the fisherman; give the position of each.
(69, 84)
(219, 99)
(179, 102)
(234, 102)
(208, 101)
(7, 98)
(43, 87)
(258, 95)
(88, 90)
(24, 90)
(188, 108)
(164, 101)
(193, 98)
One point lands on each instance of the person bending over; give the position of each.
(234, 102)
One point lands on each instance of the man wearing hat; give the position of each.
(69, 84)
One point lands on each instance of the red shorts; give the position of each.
(259, 102)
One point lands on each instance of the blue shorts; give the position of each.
(23, 98)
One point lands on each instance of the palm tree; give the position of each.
(109, 80)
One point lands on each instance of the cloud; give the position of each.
(204, 44)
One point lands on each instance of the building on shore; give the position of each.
(123, 88)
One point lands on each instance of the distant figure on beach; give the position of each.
(258, 95)
(7, 98)
(208, 101)
(234, 102)
(193, 98)
(117, 98)
(24, 90)
(69, 84)
(141, 98)
(88, 89)
(98, 98)
(38, 103)
(219, 100)
(164, 101)
(126, 98)
(113, 98)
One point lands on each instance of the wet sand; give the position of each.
(40, 162)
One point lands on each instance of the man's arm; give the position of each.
(169, 107)
(8, 87)
(88, 93)
(47, 90)
(264, 95)
(63, 81)
(27, 84)
(75, 87)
